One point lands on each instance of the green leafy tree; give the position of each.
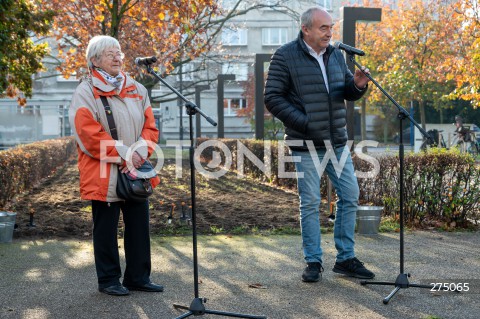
(20, 57)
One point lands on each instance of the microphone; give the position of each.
(350, 50)
(145, 61)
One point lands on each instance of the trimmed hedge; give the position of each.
(250, 169)
(24, 166)
(440, 185)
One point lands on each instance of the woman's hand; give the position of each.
(137, 161)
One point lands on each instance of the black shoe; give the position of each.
(116, 290)
(313, 272)
(354, 268)
(149, 287)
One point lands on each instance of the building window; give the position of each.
(230, 4)
(71, 78)
(231, 106)
(186, 72)
(234, 36)
(274, 36)
(239, 69)
(326, 4)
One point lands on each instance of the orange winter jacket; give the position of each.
(98, 153)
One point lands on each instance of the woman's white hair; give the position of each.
(97, 45)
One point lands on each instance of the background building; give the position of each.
(258, 31)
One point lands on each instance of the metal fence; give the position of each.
(31, 123)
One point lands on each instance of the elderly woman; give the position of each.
(99, 160)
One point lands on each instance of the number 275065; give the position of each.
(450, 286)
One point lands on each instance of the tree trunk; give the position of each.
(421, 106)
(385, 131)
(115, 20)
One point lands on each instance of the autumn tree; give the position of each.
(20, 57)
(272, 125)
(177, 31)
(464, 65)
(408, 50)
(166, 29)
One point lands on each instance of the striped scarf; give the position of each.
(116, 81)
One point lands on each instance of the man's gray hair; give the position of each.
(97, 45)
(307, 17)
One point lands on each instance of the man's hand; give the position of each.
(360, 78)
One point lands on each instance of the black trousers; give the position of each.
(136, 242)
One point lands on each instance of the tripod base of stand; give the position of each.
(197, 308)
(400, 283)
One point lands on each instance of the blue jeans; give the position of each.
(346, 187)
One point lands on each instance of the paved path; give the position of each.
(56, 279)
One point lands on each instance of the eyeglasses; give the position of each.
(119, 55)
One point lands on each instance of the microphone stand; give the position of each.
(402, 279)
(197, 307)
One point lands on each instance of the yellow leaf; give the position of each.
(161, 16)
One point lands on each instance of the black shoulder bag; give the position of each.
(129, 187)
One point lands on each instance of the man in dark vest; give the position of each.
(308, 81)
